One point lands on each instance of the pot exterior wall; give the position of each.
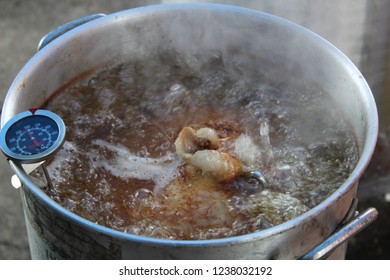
(53, 235)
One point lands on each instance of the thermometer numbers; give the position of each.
(29, 138)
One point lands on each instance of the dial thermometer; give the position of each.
(32, 136)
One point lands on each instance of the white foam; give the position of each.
(247, 151)
(127, 165)
(66, 152)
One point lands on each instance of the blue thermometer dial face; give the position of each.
(32, 136)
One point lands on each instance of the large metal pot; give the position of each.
(270, 48)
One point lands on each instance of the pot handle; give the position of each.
(342, 235)
(65, 28)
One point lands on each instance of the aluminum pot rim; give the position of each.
(367, 151)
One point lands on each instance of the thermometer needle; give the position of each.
(33, 139)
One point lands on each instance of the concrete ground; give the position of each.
(24, 22)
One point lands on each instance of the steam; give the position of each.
(250, 48)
